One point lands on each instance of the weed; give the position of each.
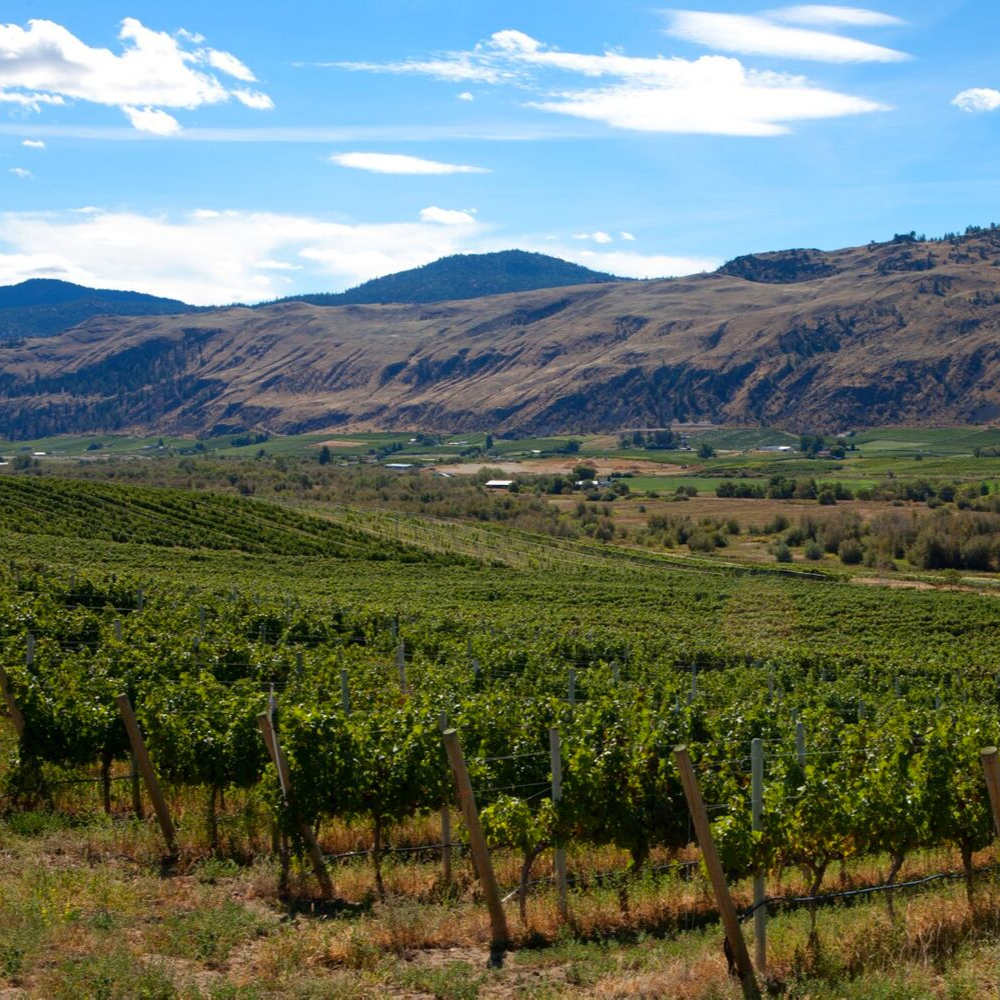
(208, 934)
(452, 981)
(114, 976)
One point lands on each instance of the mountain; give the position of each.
(464, 276)
(906, 332)
(43, 307)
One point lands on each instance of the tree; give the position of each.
(705, 450)
(585, 472)
(325, 455)
(811, 444)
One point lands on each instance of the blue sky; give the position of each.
(219, 152)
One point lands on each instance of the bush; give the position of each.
(850, 552)
(794, 536)
(782, 553)
(701, 541)
(827, 499)
(813, 551)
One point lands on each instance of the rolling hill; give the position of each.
(904, 332)
(43, 307)
(464, 276)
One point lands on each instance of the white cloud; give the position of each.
(44, 63)
(446, 216)
(628, 237)
(255, 99)
(598, 237)
(227, 63)
(209, 257)
(152, 120)
(831, 16)
(33, 144)
(397, 163)
(30, 102)
(22, 174)
(453, 67)
(466, 95)
(635, 265)
(713, 95)
(977, 99)
(757, 36)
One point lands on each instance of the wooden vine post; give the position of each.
(727, 911)
(759, 884)
(991, 768)
(555, 749)
(445, 823)
(481, 854)
(148, 774)
(285, 780)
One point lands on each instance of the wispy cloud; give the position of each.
(715, 95)
(759, 36)
(398, 163)
(598, 237)
(33, 144)
(324, 134)
(977, 100)
(44, 64)
(22, 174)
(831, 16)
(447, 216)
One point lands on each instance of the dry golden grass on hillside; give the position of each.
(889, 334)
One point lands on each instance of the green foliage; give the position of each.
(169, 518)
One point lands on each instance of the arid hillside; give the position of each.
(904, 332)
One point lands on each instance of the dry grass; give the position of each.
(86, 905)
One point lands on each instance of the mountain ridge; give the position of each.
(462, 276)
(43, 307)
(905, 332)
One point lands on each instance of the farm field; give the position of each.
(365, 624)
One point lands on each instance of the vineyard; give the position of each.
(834, 731)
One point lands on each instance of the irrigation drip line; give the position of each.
(827, 897)
(84, 781)
(600, 875)
(394, 850)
